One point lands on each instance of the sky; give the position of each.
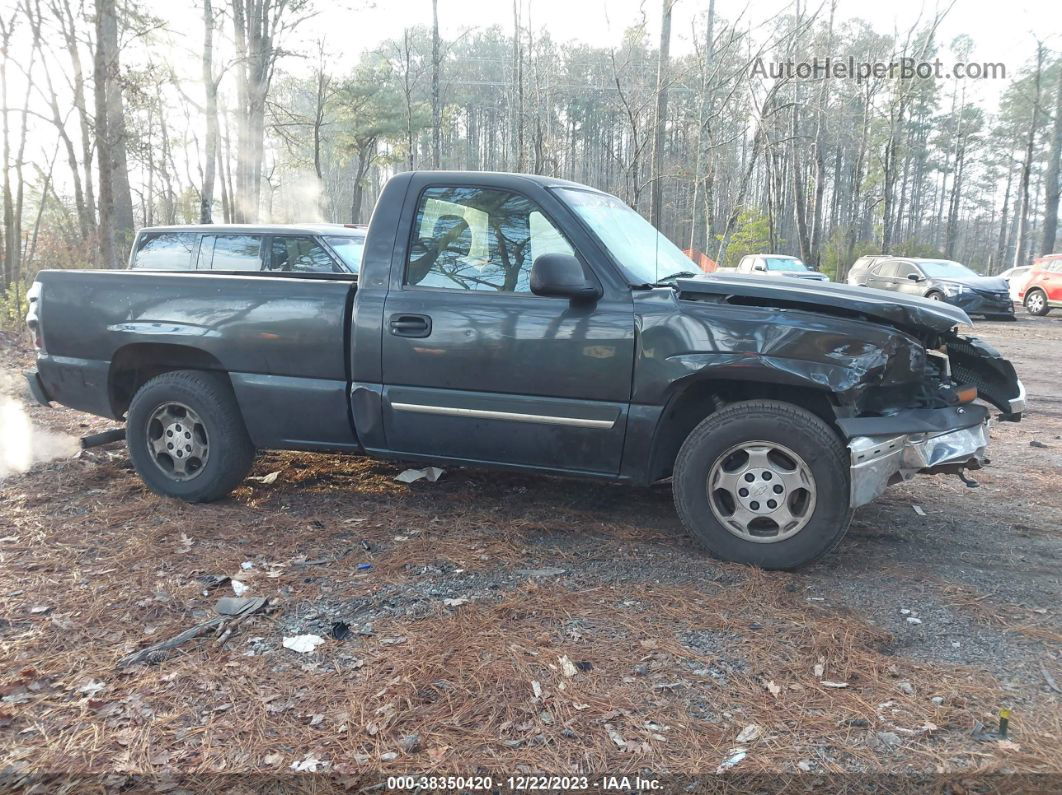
(1002, 31)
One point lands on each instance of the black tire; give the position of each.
(772, 421)
(935, 295)
(1042, 309)
(210, 396)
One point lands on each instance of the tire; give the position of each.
(934, 295)
(790, 430)
(203, 409)
(1038, 301)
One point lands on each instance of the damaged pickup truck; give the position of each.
(533, 324)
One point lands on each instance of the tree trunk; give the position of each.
(210, 86)
(1022, 235)
(1051, 186)
(657, 194)
(436, 112)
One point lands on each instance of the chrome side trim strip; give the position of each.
(452, 411)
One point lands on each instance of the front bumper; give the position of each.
(978, 303)
(880, 461)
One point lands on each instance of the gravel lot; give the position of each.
(512, 623)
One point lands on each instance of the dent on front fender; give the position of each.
(976, 363)
(840, 356)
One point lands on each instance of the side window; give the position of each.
(888, 268)
(231, 253)
(904, 269)
(164, 251)
(745, 265)
(300, 254)
(479, 239)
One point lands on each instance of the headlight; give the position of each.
(954, 289)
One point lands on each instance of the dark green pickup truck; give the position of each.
(534, 324)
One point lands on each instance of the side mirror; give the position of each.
(914, 277)
(759, 266)
(562, 276)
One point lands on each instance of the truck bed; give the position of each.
(282, 339)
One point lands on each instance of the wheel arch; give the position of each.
(692, 401)
(135, 364)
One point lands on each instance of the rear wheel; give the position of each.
(1036, 303)
(935, 296)
(764, 482)
(186, 437)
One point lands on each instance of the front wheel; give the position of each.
(186, 436)
(1036, 303)
(765, 483)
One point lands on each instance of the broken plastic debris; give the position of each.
(913, 620)
(240, 588)
(247, 565)
(918, 510)
(431, 474)
(308, 765)
(303, 644)
(340, 630)
(364, 567)
(267, 479)
(568, 667)
(837, 685)
(734, 757)
(749, 733)
(461, 600)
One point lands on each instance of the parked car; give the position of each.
(857, 274)
(534, 324)
(297, 248)
(779, 265)
(945, 281)
(1016, 279)
(1042, 291)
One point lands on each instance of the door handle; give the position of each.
(404, 325)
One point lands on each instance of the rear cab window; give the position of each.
(171, 251)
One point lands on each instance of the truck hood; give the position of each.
(906, 312)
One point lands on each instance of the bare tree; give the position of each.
(436, 113)
(1051, 181)
(660, 124)
(1021, 238)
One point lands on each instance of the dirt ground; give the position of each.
(515, 624)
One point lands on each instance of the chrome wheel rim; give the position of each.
(936, 297)
(1035, 302)
(177, 441)
(761, 492)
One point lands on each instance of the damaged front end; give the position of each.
(947, 432)
(908, 393)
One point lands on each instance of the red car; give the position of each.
(1043, 290)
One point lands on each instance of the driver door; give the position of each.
(476, 368)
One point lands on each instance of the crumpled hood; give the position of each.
(904, 311)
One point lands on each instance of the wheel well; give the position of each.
(688, 407)
(135, 365)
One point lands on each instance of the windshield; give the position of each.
(785, 264)
(643, 252)
(943, 269)
(348, 248)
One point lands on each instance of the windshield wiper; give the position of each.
(678, 275)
